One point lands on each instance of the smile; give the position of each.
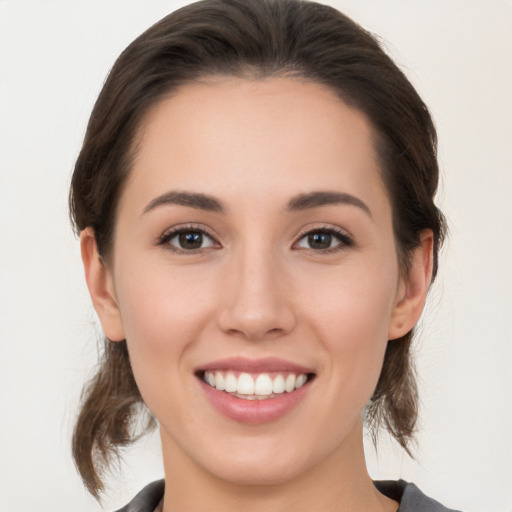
(260, 386)
(255, 391)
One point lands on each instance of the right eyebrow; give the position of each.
(190, 199)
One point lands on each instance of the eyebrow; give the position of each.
(190, 199)
(324, 198)
(297, 203)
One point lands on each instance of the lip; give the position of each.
(254, 411)
(263, 365)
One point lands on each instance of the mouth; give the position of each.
(254, 391)
(255, 386)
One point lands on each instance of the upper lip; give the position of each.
(247, 365)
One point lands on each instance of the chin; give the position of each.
(259, 472)
(264, 462)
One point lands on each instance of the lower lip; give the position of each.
(254, 411)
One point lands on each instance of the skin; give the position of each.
(256, 288)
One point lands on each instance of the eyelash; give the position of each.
(344, 240)
(174, 232)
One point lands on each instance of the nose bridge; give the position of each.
(256, 305)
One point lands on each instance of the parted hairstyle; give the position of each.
(254, 39)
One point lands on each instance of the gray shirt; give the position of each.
(411, 499)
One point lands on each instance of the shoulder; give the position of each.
(147, 499)
(410, 497)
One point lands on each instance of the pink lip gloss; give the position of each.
(255, 411)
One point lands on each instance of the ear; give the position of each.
(101, 287)
(413, 288)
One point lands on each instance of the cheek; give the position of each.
(160, 303)
(352, 319)
(163, 315)
(355, 303)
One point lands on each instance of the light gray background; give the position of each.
(54, 56)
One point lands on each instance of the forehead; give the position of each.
(254, 138)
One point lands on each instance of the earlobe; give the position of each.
(101, 288)
(413, 288)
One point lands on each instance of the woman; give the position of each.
(254, 199)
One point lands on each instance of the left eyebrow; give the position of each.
(190, 199)
(323, 198)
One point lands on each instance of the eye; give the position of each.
(187, 240)
(325, 239)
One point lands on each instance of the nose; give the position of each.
(257, 301)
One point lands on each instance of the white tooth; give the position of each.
(219, 381)
(289, 385)
(230, 383)
(301, 380)
(210, 378)
(278, 384)
(263, 385)
(245, 384)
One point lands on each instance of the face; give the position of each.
(254, 250)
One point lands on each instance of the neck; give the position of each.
(339, 481)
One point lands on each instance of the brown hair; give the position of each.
(251, 38)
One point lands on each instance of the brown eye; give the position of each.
(319, 240)
(324, 240)
(187, 240)
(190, 240)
